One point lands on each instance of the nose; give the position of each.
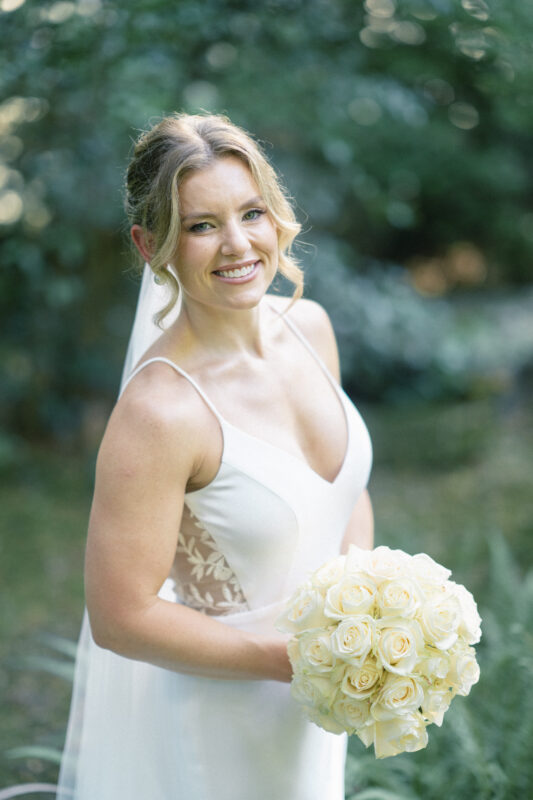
(235, 241)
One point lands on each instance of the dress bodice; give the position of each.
(267, 518)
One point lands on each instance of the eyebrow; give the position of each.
(201, 214)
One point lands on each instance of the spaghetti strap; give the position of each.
(297, 332)
(181, 372)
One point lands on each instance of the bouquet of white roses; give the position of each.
(382, 643)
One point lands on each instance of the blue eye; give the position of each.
(199, 227)
(257, 212)
(249, 216)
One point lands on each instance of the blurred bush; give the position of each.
(398, 346)
(401, 126)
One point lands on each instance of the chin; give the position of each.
(245, 302)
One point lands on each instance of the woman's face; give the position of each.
(227, 255)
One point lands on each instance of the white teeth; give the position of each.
(236, 273)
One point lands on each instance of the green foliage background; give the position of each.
(402, 128)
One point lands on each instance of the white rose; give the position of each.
(352, 714)
(399, 597)
(304, 611)
(433, 663)
(329, 573)
(353, 638)
(400, 644)
(315, 651)
(464, 670)
(326, 720)
(356, 560)
(361, 682)
(437, 699)
(293, 651)
(470, 625)
(353, 594)
(366, 733)
(406, 733)
(400, 694)
(424, 567)
(382, 564)
(315, 691)
(439, 618)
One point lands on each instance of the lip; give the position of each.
(244, 278)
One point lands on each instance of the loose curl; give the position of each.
(164, 155)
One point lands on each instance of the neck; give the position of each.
(223, 332)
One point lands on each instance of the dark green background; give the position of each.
(403, 130)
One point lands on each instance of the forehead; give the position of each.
(226, 181)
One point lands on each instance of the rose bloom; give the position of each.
(356, 560)
(382, 564)
(352, 714)
(390, 737)
(315, 691)
(329, 573)
(433, 663)
(440, 618)
(293, 651)
(315, 651)
(464, 669)
(424, 567)
(400, 694)
(399, 597)
(353, 638)
(399, 645)
(325, 719)
(304, 611)
(361, 682)
(437, 699)
(353, 594)
(470, 625)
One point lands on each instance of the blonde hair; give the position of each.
(165, 154)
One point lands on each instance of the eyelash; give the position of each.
(197, 229)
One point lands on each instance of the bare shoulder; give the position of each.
(156, 427)
(314, 322)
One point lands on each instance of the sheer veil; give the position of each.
(152, 297)
(100, 676)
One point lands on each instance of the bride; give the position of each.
(232, 465)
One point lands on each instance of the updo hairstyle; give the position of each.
(172, 149)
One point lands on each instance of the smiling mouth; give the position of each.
(238, 272)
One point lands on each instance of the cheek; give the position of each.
(269, 236)
(193, 254)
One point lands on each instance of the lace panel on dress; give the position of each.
(202, 576)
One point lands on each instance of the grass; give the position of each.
(446, 480)
(44, 502)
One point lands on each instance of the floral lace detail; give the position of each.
(202, 576)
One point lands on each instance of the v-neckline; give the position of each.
(302, 462)
(337, 390)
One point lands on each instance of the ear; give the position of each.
(143, 241)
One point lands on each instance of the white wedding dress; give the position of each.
(140, 732)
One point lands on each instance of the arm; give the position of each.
(317, 327)
(360, 528)
(147, 457)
